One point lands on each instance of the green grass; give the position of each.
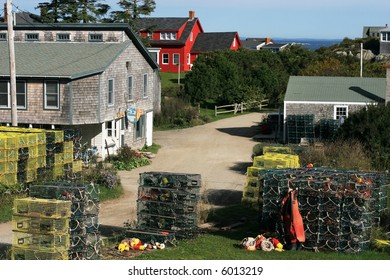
(152, 149)
(224, 245)
(169, 79)
(107, 194)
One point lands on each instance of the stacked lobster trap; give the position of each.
(85, 240)
(168, 202)
(40, 229)
(339, 208)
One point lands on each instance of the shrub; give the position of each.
(128, 159)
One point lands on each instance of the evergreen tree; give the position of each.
(73, 11)
(133, 10)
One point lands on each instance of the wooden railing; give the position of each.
(240, 107)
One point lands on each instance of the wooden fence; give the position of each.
(240, 107)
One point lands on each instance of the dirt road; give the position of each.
(219, 151)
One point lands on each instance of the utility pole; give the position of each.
(11, 47)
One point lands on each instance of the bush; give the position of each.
(341, 154)
(104, 177)
(128, 159)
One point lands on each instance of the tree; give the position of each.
(132, 10)
(73, 11)
(370, 127)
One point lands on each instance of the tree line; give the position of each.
(93, 11)
(227, 77)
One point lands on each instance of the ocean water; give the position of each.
(311, 44)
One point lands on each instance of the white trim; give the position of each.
(330, 103)
(108, 92)
(339, 106)
(163, 59)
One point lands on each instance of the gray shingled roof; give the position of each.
(212, 41)
(252, 43)
(161, 24)
(25, 18)
(335, 89)
(70, 60)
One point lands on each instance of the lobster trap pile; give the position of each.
(168, 202)
(339, 208)
(29, 154)
(274, 156)
(300, 126)
(40, 229)
(85, 240)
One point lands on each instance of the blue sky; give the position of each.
(316, 19)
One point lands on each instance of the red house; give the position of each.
(180, 40)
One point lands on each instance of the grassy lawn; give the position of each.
(169, 79)
(224, 244)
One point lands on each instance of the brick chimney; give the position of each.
(387, 83)
(191, 15)
(267, 40)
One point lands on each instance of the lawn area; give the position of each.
(169, 79)
(224, 244)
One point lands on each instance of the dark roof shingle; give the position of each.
(212, 41)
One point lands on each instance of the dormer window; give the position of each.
(95, 37)
(32, 36)
(167, 36)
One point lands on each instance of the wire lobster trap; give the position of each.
(339, 208)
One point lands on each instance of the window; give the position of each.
(191, 36)
(140, 127)
(32, 36)
(4, 95)
(109, 128)
(95, 37)
(110, 92)
(21, 94)
(188, 59)
(63, 37)
(167, 36)
(3, 36)
(176, 59)
(386, 36)
(130, 88)
(234, 42)
(165, 58)
(52, 95)
(145, 91)
(340, 111)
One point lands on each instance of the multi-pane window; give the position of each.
(32, 36)
(95, 37)
(130, 88)
(386, 36)
(3, 36)
(5, 94)
(167, 36)
(63, 37)
(52, 95)
(110, 92)
(340, 111)
(145, 89)
(176, 59)
(109, 128)
(165, 58)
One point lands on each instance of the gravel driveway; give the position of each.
(219, 151)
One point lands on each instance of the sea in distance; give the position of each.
(311, 44)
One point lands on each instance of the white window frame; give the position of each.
(145, 85)
(31, 36)
(95, 37)
(188, 59)
(63, 37)
(191, 36)
(163, 36)
(109, 129)
(110, 92)
(55, 94)
(3, 36)
(176, 59)
(165, 58)
(336, 115)
(130, 90)
(22, 95)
